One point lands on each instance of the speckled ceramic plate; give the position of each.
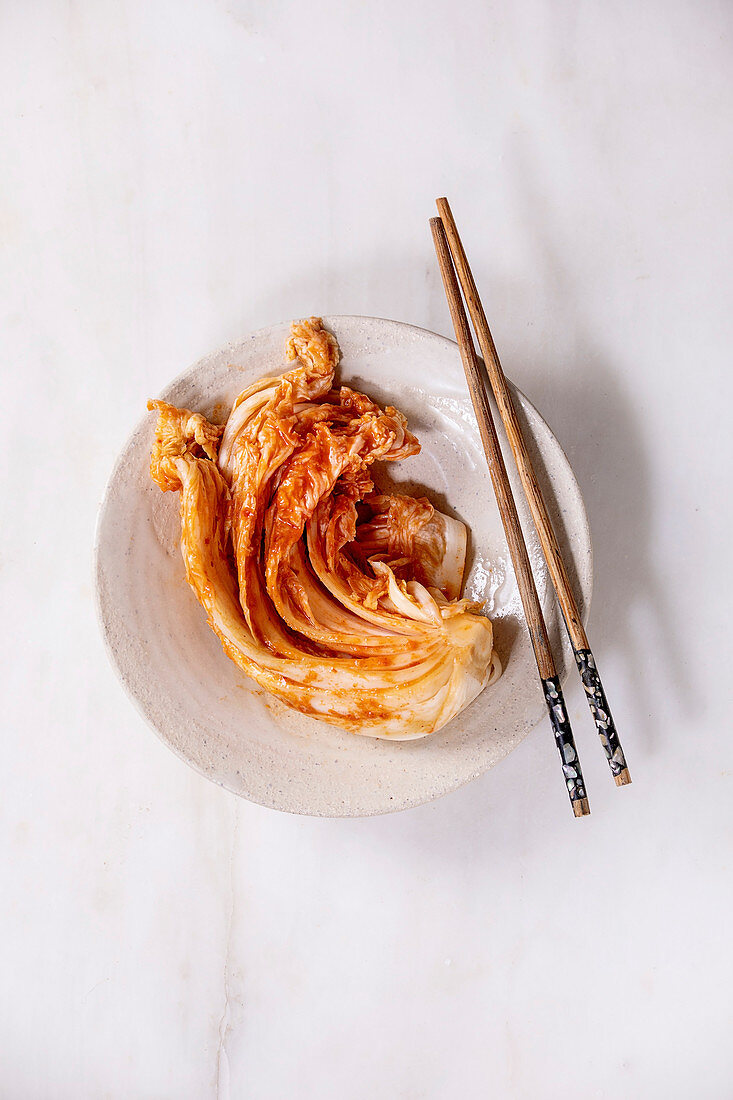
(220, 722)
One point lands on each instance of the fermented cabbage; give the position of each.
(341, 600)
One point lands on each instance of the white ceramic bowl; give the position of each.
(207, 711)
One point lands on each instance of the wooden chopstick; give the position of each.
(520, 559)
(584, 659)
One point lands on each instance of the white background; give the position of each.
(175, 174)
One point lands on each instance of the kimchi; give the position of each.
(340, 599)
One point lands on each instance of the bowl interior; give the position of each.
(223, 724)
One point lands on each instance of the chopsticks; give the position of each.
(584, 659)
(520, 559)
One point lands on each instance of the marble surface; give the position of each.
(175, 175)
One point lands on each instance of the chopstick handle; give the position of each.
(565, 745)
(602, 717)
(512, 529)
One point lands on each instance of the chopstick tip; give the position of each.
(581, 807)
(623, 778)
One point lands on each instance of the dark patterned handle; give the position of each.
(602, 715)
(566, 746)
